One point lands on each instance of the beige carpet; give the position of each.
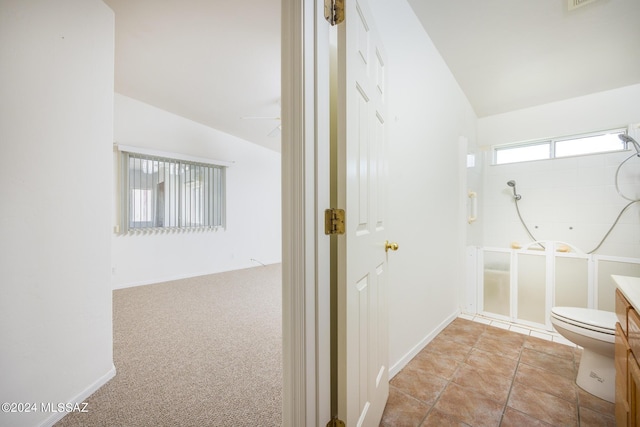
(199, 352)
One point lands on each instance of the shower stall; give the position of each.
(521, 285)
(575, 227)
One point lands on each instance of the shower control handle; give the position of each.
(393, 246)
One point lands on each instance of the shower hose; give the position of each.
(631, 202)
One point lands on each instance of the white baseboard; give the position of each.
(157, 280)
(397, 367)
(80, 398)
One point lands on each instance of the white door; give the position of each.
(363, 374)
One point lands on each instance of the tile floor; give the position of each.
(475, 374)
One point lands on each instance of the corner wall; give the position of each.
(253, 202)
(56, 132)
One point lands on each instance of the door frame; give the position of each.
(305, 196)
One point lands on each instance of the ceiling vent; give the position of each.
(574, 4)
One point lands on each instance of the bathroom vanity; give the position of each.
(627, 351)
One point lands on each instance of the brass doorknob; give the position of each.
(393, 246)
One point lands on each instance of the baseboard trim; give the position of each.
(397, 367)
(157, 280)
(55, 417)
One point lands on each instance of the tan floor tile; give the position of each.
(504, 335)
(588, 400)
(543, 406)
(501, 365)
(589, 418)
(551, 363)
(469, 406)
(403, 410)
(417, 384)
(463, 331)
(497, 345)
(458, 377)
(549, 347)
(547, 381)
(513, 418)
(449, 348)
(468, 325)
(465, 337)
(490, 384)
(440, 419)
(435, 364)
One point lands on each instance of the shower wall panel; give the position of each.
(497, 283)
(532, 288)
(571, 282)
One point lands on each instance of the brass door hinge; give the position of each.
(335, 422)
(334, 11)
(334, 221)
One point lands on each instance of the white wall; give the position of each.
(572, 199)
(56, 131)
(601, 110)
(253, 202)
(428, 113)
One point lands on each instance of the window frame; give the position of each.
(552, 142)
(213, 217)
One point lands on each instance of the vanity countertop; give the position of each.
(630, 288)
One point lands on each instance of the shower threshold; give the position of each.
(514, 327)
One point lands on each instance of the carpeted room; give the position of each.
(192, 352)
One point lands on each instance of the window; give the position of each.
(163, 193)
(589, 144)
(596, 142)
(523, 153)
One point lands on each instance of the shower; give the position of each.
(512, 184)
(516, 197)
(632, 200)
(627, 139)
(568, 206)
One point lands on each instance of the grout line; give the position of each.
(513, 381)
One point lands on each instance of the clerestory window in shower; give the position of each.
(566, 146)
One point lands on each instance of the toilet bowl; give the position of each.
(594, 331)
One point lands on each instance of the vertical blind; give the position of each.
(160, 193)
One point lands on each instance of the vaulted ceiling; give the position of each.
(218, 62)
(211, 61)
(512, 54)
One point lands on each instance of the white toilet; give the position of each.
(594, 331)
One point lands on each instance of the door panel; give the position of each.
(363, 160)
(362, 261)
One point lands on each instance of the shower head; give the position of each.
(512, 184)
(627, 139)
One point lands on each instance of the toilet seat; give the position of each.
(586, 318)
